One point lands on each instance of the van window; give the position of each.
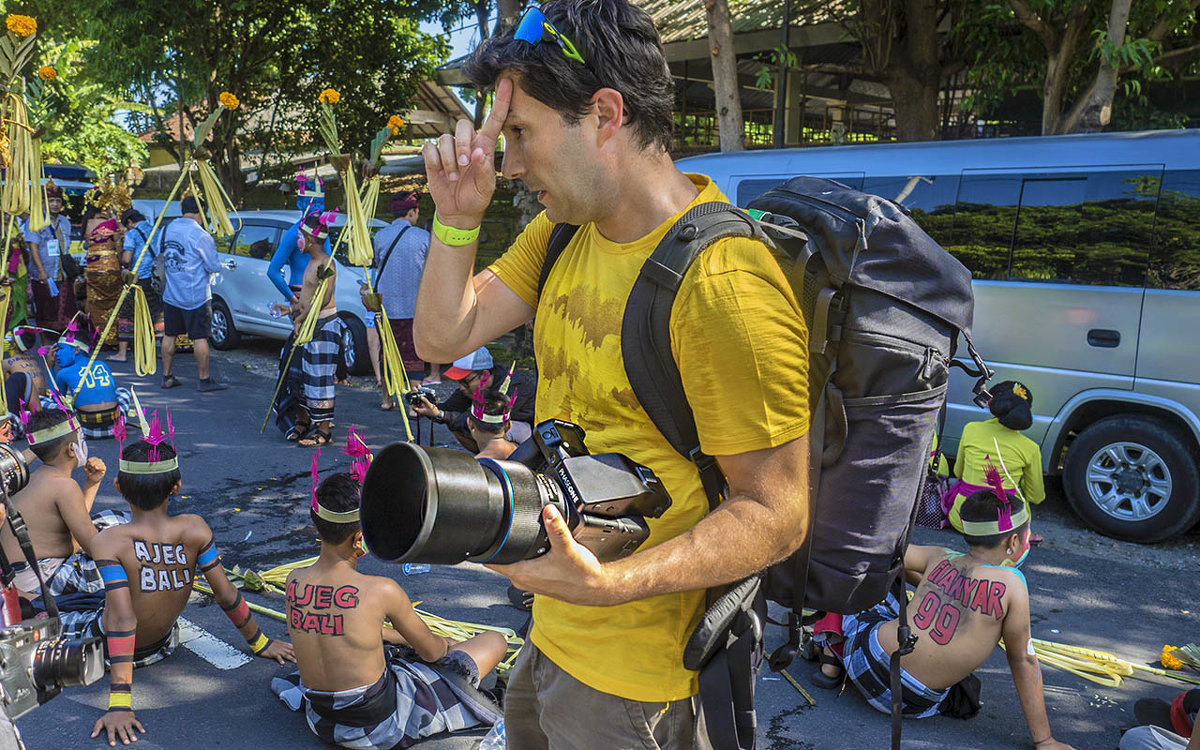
(1175, 258)
(1085, 228)
(930, 200)
(984, 221)
(256, 241)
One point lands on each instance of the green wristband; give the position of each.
(452, 236)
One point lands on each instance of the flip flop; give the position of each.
(171, 381)
(386, 407)
(316, 439)
(522, 600)
(824, 681)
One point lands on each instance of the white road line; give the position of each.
(209, 647)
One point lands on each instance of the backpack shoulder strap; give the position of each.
(560, 237)
(646, 329)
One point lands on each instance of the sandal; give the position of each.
(315, 439)
(522, 600)
(170, 381)
(386, 406)
(297, 432)
(822, 680)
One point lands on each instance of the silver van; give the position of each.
(1085, 254)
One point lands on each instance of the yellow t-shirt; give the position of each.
(742, 348)
(1021, 457)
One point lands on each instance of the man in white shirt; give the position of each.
(53, 295)
(190, 259)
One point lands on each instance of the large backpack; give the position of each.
(884, 305)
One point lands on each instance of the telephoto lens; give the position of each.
(431, 505)
(440, 506)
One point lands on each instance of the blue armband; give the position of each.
(112, 574)
(208, 558)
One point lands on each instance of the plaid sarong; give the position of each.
(409, 701)
(98, 425)
(311, 374)
(80, 593)
(868, 665)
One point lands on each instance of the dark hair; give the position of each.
(44, 419)
(495, 404)
(623, 52)
(1012, 405)
(27, 337)
(132, 214)
(189, 205)
(147, 491)
(983, 505)
(338, 493)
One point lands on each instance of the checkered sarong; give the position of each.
(77, 587)
(101, 431)
(868, 665)
(409, 701)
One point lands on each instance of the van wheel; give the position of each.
(355, 353)
(1133, 478)
(224, 335)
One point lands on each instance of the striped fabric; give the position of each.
(867, 665)
(411, 700)
(311, 375)
(77, 587)
(101, 429)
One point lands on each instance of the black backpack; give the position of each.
(884, 305)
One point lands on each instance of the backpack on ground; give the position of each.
(884, 305)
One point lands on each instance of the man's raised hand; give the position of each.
(461, 167)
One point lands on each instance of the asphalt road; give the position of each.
(253, 490)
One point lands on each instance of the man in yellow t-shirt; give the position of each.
(584, 98)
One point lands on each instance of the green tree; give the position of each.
(1084, 54)
(275, 57)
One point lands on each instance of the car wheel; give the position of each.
(1133, 478)
(355, 354)
(224, 335)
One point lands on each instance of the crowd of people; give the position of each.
(583, 98)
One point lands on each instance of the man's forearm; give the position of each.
(740, 538)
(445, 309)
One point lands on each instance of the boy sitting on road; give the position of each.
(360, 692)
(148, 566)
(964, 604)
(56, 511)
(489, 422)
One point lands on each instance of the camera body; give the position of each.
(36, 663)
(431, 505)
(413, 397)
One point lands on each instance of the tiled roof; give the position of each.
(684, 20)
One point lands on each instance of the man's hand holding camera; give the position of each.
(569, 572)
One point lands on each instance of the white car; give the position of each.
(243, 295)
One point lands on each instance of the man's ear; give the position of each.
(178, 486)
(117, 485)
(610, 113)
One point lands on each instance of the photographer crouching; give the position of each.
(584, 96)
(475, 371)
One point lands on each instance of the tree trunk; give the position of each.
(508, 13)
(725, 79)
(1093, 110)
(916, 103)
(1052, 88)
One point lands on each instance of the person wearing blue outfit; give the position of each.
(291, 252)
(137, 231)
(99, 400)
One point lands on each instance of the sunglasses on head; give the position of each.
(535, 29)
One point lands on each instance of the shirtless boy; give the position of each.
(964, 604)
(335, 619)
(148, 567)
(56, 511)
(489, 422)
(304, 409)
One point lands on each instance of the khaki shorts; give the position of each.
(544, 707)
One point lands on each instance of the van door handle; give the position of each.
(230, 264)
(1104, 338)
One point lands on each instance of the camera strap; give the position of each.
(387, 257)
(21, 532)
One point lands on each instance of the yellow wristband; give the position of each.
(259, 644)
(119, 701)
(452, 236)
